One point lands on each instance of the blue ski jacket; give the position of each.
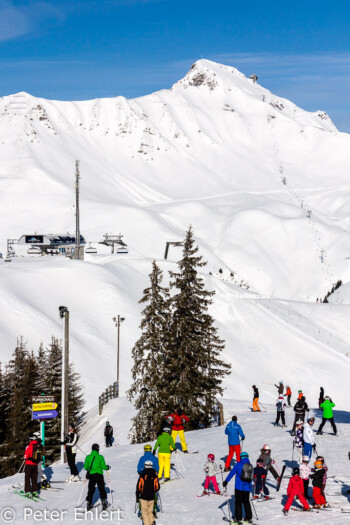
(233, 430)
(236, 471)
(148, 456)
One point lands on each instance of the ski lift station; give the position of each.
(50, 244)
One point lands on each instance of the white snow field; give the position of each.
(180, 504)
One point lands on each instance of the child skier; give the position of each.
(295, 489)
(325, 468)
(317, 482)
(298, 439)
(265, 455)
(281, 406)
(211, 469)
(146, 492)
(260, 474)
(305, 471)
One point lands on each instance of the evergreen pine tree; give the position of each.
(149, 352)
(194, 371)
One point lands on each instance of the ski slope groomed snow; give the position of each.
(179, 498)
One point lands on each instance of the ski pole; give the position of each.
(20, 468)
(263, 406)
(293, 454)
(110, 488)
(80, 449)
(81, 493)
(160, 502)
(222, 480)
(256, 515)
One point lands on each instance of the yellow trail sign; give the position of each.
(38, 407)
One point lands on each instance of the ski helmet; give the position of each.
(306, 459)
(36, 434)
(167, 429)
(253, 386)
(327, 397)
(266, 447)
(300, 391)
(96, 447)
(211, 457)
(244, 455)
(147, 448)
(320, 458)
(148, 464)
(299, 422)
(311, 420)
(260, 461)
(107, 423)
(281, 382)
(234, 418)
(296, 471)
(179, 411)
(32, 437)
(318, 464)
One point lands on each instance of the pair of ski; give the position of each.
(23, 494)
(20, 487)
(210, 493)
(234, 522)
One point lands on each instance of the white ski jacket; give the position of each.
(305, 471)
(211, 469)
(309, 436)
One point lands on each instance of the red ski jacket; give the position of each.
(296, 486)
(30, 453)
(177, 423)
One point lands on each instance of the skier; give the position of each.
(255, 399)
(317, 482)
(234, 431)
(42, 479)
(260, 474)
(321, 397)
(166, 445)
(295, 490)
(265, 455)
(280, 388)
(108, 433)
(71, 450)
(177, 420)
(146, 492)
(211, 469)
(298, 440)
(327, 406)
(309, 438)
(31, 468)
(281, 406)
(289, 395)
(243, 471)
(300, 394)
(95, 464)
(325, 468)
(148, 456)
(305, 471)
(300, 408)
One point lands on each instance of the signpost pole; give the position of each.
(64, 314)
(42, 435)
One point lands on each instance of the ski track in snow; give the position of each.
(180, 504)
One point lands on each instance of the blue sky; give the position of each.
(74, 50)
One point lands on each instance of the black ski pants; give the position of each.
(288, 399)
(71, 461)
(109, 441)
(30, 478)
(260, 486)
(280, 415)
(242, 498)
(331, 420)
(96, 479)
(306, 487)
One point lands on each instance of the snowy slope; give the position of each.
(263, 183)
(180, 504)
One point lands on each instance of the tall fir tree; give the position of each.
(149, 355)
(195, 369)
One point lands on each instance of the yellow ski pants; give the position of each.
(182, 438)
(164, 464)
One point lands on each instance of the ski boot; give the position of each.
(285, 512)
(166, 479)
(204, 493)
(306, 510)
(104, 504)
(89, 505)
(185, 451)
(267, 497)
(35, 494)
(218, 492)
(227, 469)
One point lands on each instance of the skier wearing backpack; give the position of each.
(211, 469)
(108, 433)
(260, 474)
(309, 437)
(295, 490)
(281, 406)
(255, 399)
(42, 479)
(234, 432)
(325, 468)
(300, 408)
(243, 470)
(166, 445)
(95, 464)
(268, 462)
(31, 468)
(280, 388)
(177, 420)
(146, 492)
(148, 456)
(71, 451)
(327, 406)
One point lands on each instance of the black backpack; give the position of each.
(247, 473)
(279, 406)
